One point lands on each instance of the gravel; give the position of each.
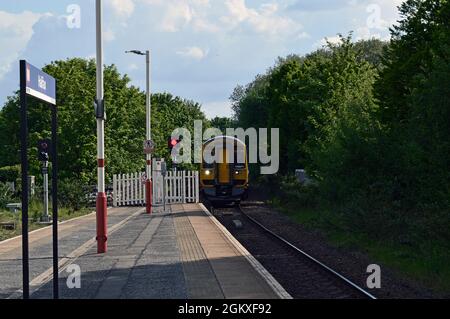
(351, 263)
(301, 278)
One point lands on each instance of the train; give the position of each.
(224, 170)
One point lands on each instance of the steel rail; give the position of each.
(309, 257)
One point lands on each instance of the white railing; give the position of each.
(178, 187)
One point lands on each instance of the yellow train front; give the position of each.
(224, 170)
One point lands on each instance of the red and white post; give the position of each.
(148, 167)
(101, 194)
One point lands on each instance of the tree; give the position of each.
(372, 51)
(124, 127)
(292, 93)
(414, 42)
(222, 123)
(250, 104)
(413, 90)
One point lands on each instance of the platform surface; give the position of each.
(183, 253)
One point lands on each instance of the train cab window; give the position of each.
(239, 157)
(207, 165)
(210, 158)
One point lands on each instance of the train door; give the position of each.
(224, 167)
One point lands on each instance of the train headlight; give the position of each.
(207, 172)
(236, 172)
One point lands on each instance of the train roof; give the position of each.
(226, 138)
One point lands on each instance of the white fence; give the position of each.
(128, 189)
(179, 187)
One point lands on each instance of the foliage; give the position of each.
(72, 194)
(372, 51)
(9, 173)
(124, 127)
(6, 195)
(413, 92)
(292, 95)
(222, 123)
(369, 121)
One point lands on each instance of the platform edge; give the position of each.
(271, 281)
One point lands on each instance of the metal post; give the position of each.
(148, 100)
(24, 159)
(148, 171)
(101, 195)
(55, 202)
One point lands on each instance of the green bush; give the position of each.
(9, 173)
(72, 194)
(302, 195)
(6, 195)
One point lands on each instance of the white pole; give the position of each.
(148, 113)
(148, 100)
(101, 196)
(115, 191)
(148, 127)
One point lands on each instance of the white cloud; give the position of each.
(132, 67)
(202, 24)
(365, 33)
(266, 19)
(109, 35)
(304, 35)
(16, 31)
(177, 16)
(193, 52)
(213, 17)
(324, 41)
(217, 108)
(122, 8)
(334, 40)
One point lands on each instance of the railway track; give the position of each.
(302, 275)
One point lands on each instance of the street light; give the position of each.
(136, 52)
(148, 171)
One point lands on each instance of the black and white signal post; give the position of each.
(43, 156)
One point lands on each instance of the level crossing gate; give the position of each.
(175, 187)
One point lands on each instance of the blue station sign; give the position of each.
(40, 85)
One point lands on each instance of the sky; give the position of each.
(201, 49)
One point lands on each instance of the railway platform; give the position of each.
(182, 253)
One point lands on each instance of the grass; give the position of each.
(427, 263)
(35, 212)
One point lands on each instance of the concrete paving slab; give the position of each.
(72, 234)
(180, 254)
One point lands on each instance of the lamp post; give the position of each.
(148, 171)
(101, 204)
